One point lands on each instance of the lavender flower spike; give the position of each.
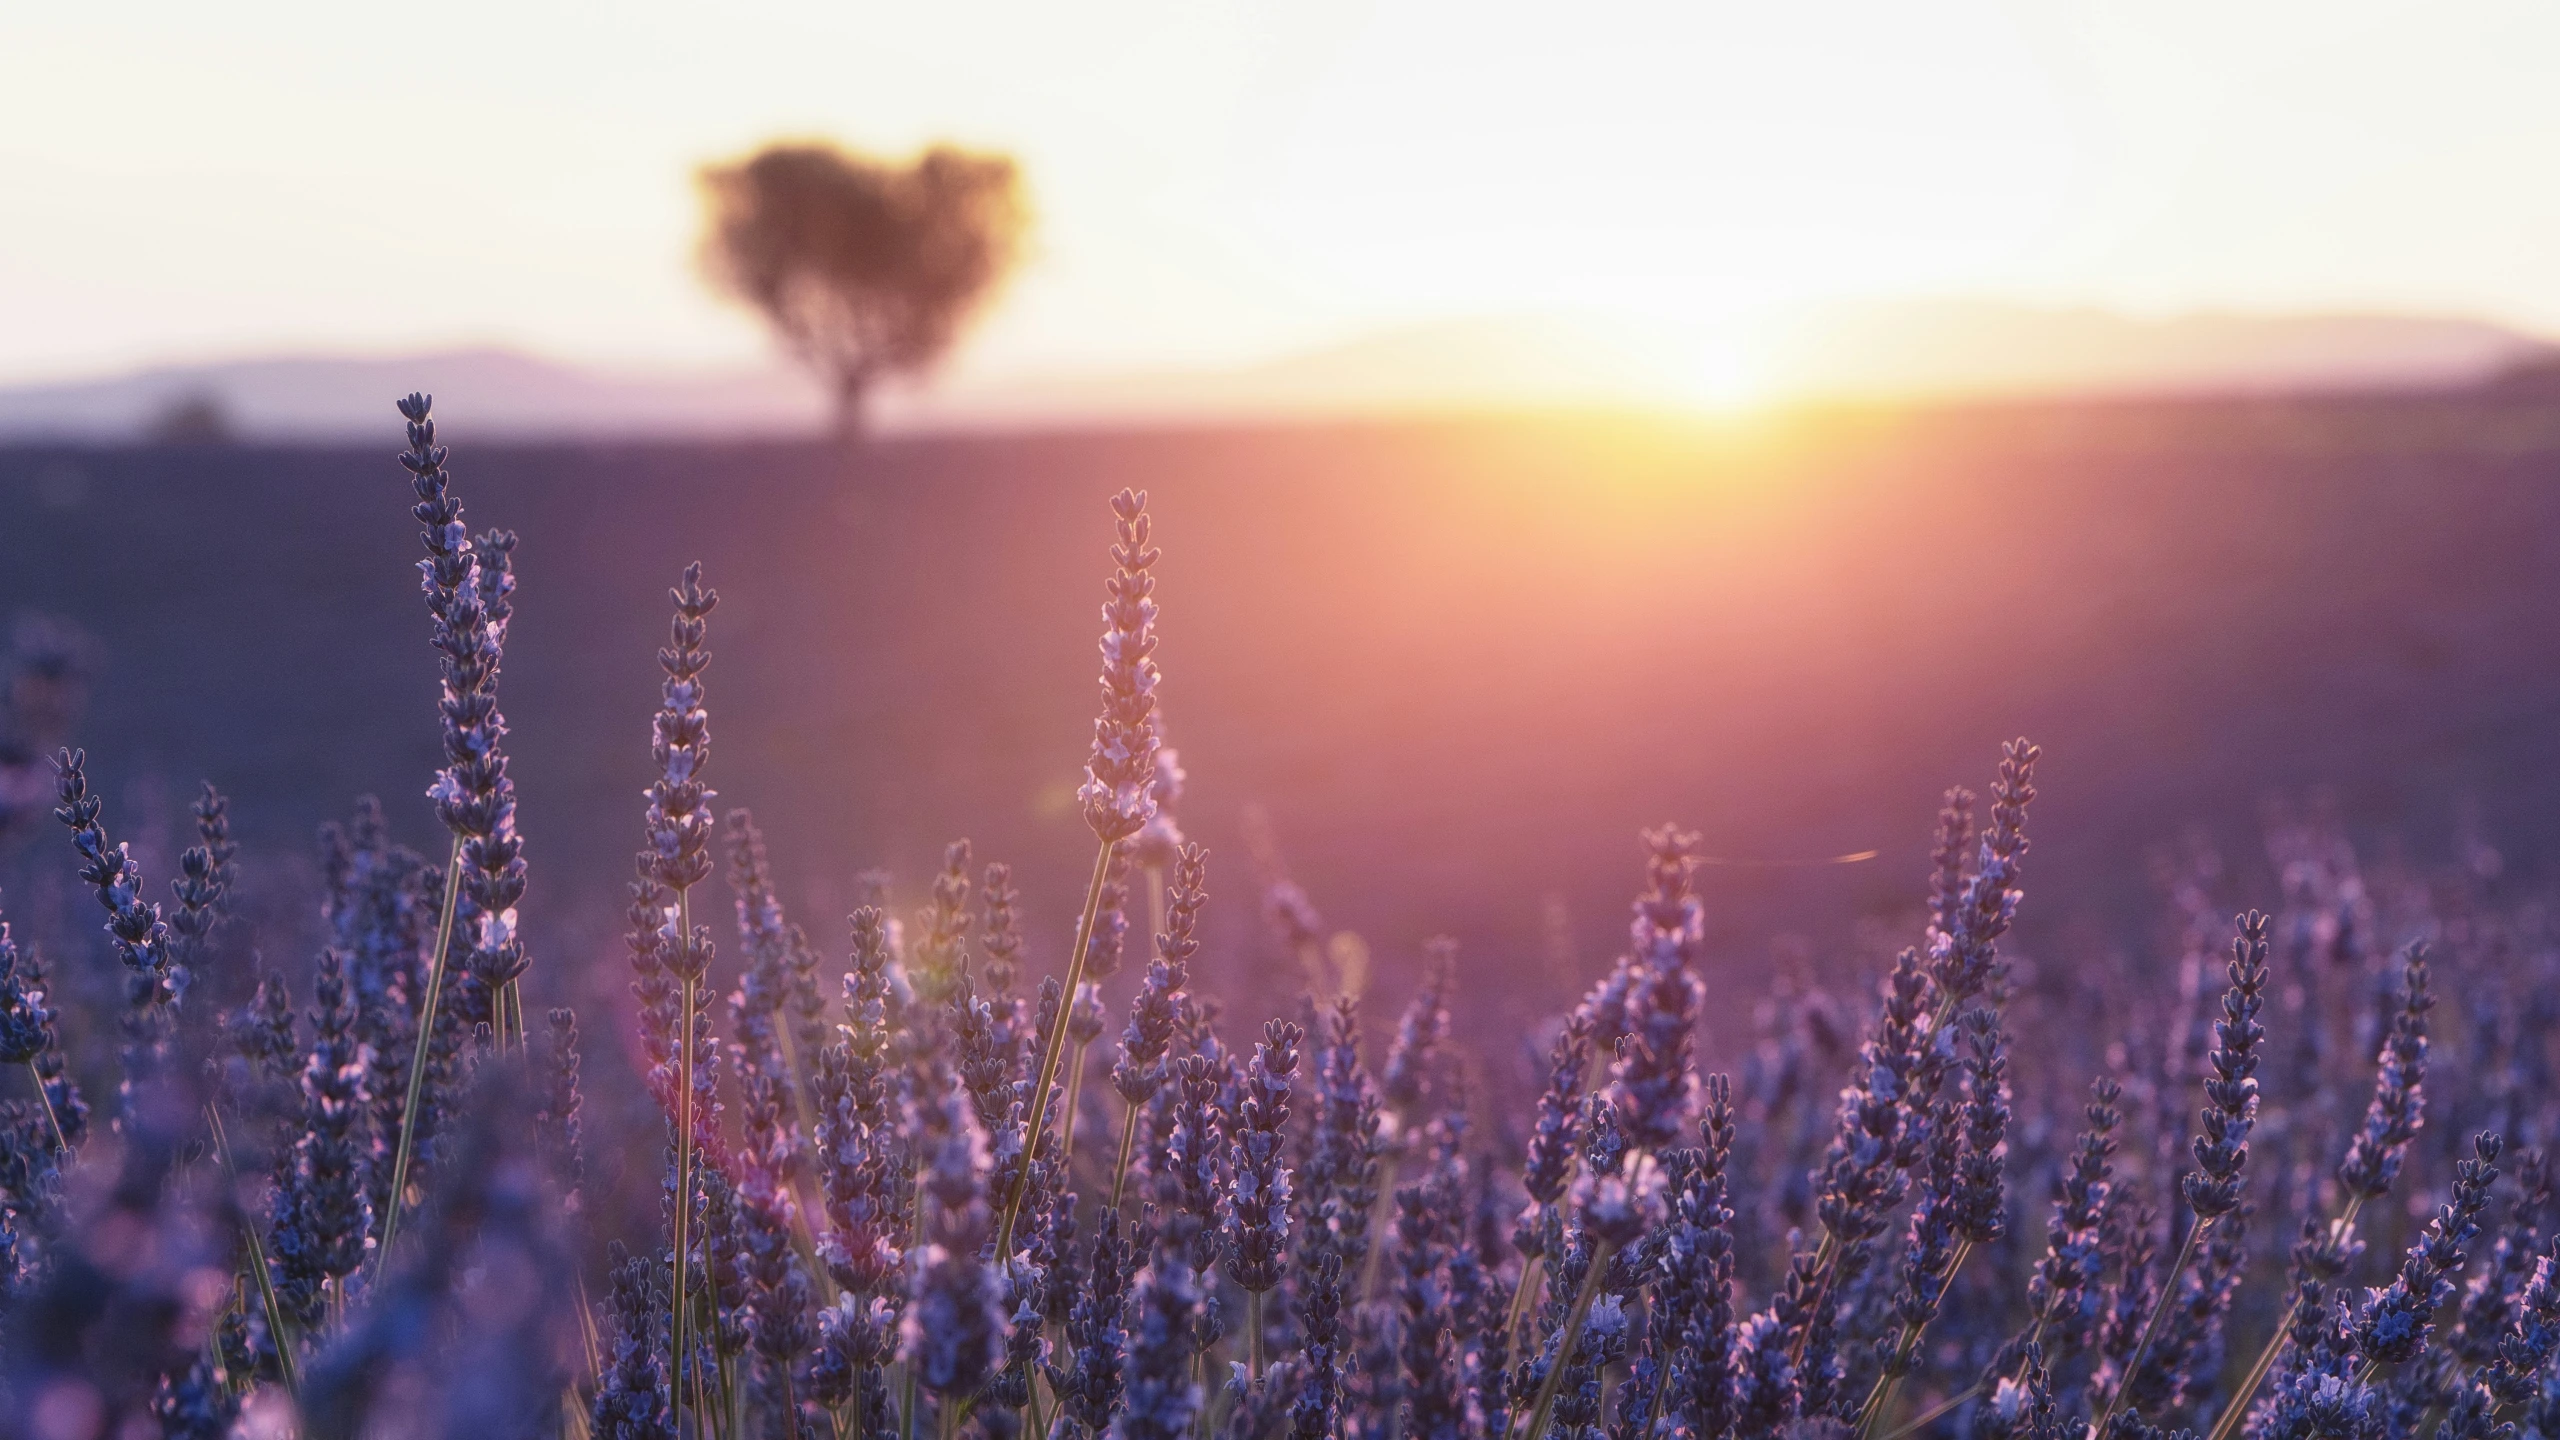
(27, 1038)
(1962, 956)
(1118, 797)
(2399, 1099)
(1258, 1205)
(1653, 1087)
(2393, 1325)
(2232, 1093)
(141, 939)
(467, 585)
(2231, 1109)
(955, 1324)
(1118, 794)
(1156, 1010)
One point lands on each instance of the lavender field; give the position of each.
(1279, 1057)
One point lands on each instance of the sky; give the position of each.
(1219, 182)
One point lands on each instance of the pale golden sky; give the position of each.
(1219, 181)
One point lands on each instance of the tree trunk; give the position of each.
(853, 418)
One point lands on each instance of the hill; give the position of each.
(1936, 350)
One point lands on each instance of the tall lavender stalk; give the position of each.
(1963, 1204)
(1118, 795)
(467, 583)
(1548, 1168)
(679, 822)
(1157, 1007)
(202, 888)
(2231, 1109)
(859, 1163)
(28, 1039)
(323, 1215)
(1257, 1239)
(2392, 1120)
(141, 938)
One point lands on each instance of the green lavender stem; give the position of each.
(1050, 1049)
(418, 1061)
(1600, 1256)
(276, 1325)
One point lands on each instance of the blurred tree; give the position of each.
(865, 268)
(196, 418)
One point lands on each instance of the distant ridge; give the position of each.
(1920, 350)
(1969, 347)
(491, 391)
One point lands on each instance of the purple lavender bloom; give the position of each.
(955, 1327)
(1338, 1192)
(1549, 1167)
(775, 1289)
(1321, 1344)
(2232, 1093)
(1118, 794)
(1433, 1404)
(198, 1404)
(202, 888)
(720, 1245)
(2061, 1293)
(380, 903)
(1946, 859)
(940, 951)
(2021, 1406)
(1161, 1401)
(2393, 1324)
(1963, 955)
(859, 1151)
(28, 1039)
(1979, 1201)
(1108, 943)
(1864, 1176)
(2516, 1376)
(1694, 1295)
(2494, 1293)
(1001, 932)
(1156, 1009)
(1577, 1386)
(1194, 1176)
(1652, 1087)
(653, 984)
(679, 812)
(558, 1132)
(1159, 845)
(856, 1340)
(2186, 1353)
(2325, 1395)
(631, 1397)
(468, 582)
(1420, 1034)
(1090, 1386)
(324, 1214)
(805, 1004)
(2398, 1108)
(1258, 1201)
(759, 1054)
(468, 1331)
(133, 924)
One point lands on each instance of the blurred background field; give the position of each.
(1456, 664)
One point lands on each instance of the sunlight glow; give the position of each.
(1220, 185)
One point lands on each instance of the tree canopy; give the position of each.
(865, 268)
